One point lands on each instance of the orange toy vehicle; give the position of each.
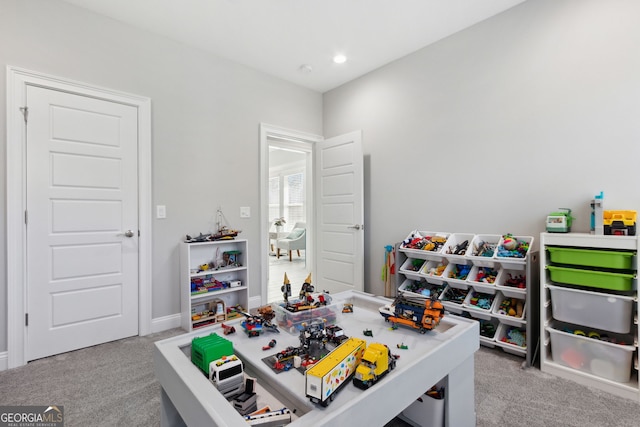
(415, 313)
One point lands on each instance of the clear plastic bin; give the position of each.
(597, 357)
(592, 309)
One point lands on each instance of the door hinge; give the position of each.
(26, 319)
(25, 113)
(26, 217)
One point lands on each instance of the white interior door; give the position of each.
(340, 213)
(82, 197)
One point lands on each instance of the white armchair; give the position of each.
(296, 240)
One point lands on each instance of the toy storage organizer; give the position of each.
(483, 282)
(588, 310)
(213, 282)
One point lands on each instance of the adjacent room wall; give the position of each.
(494, 127)
(206, 113)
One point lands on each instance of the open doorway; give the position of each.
(286, 194)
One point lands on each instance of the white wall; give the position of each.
(494, 127)
(205, 112)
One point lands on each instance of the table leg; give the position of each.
(459, 396)
(169, 416)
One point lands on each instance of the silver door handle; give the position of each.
(127, 233)
(355, 227)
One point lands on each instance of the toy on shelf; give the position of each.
(367, 333)
(511, 307)
(426, 243)
(512, 247)
(234, 311)
(597, 208)
(518, 281)
(223, 233)
(402, 346)
(347, 308)
(559, 222)
(620, 223)
(459, 249)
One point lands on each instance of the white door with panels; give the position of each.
(82, 221)
(340, 213)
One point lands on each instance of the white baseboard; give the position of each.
(4, 360)
(160, 324)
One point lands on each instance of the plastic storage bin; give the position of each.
(591, 278)
(433, 270)
(453, 298)
(512, 339)
(488, 331)
(512, 283)
(600, 358)
(504, 253)
(291, 321)
(592, 309)
(425, 412)
(411, 268)
(422, 249)
(420, 289)
(622, 260)
(456, 275)
(483, 279)
(499, 311)
(484, 306)
(482, 249)
(457, 246)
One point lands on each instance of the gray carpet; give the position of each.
(113, 385)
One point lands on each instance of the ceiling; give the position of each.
(279, 36)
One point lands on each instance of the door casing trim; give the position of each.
(268, 131)
(17, 81)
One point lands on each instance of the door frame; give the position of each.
(275, 132)
(17, 81)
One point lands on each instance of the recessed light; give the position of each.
(305, 68)
(339, 59)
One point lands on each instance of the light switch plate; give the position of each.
(161, 211)
(245, 212)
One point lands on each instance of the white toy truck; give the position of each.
(213, 354)
(227, 374)
(325, 378)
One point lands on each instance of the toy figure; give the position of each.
(286, 288)
(306, 288)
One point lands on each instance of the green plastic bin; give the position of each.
(591, 278)
(592, 257)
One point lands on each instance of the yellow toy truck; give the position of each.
(376, 362)
(619, 223)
